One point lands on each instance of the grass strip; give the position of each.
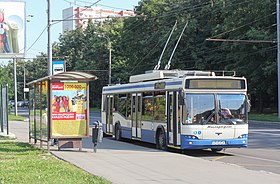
(6, 138)
(264, 117)
(21, 163)
(12, 117)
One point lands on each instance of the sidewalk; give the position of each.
(122, 163)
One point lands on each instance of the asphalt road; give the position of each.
(263, 150)
(262, 153)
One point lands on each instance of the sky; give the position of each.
(37, 23)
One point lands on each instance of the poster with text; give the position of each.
(12, 29)
(69, 109)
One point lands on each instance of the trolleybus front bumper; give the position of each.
(191, 142)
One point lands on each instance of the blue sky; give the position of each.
(39, 21)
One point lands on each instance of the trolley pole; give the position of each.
(278, 54)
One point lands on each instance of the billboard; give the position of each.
(12, 29)
(69, 109)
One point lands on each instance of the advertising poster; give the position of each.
(69, 109)
(12, 29)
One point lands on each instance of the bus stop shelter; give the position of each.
(59, 109)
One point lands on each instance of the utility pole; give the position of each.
(110, 61)
(49, 40)
(278, 54)
(24, 81)
(110, 55)
(15, 85)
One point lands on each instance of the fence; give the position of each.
(4, 123)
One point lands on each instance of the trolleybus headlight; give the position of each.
(191, 137)
(243, 136)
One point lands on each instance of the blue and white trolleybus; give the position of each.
(177, 108)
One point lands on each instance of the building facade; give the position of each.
(79, 17)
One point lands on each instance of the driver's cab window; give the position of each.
(200, 109)
(232, 108)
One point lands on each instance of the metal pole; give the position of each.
(15, 84)
(1, 112)
(49, 40)
(24, 96)
(167, 66)
(278, 54)
(110, 61)
(159, 61)
(110, 55)
(7, 106)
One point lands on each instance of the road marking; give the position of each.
(218, 158)
(264, 133)
(258, 165)
(263, 159)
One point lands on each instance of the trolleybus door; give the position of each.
(136, 115)
(173, 118)
(109, 114)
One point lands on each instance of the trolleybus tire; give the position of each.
(161, 140)
(118, 132)
(216, 149)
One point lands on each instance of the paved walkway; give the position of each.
(122, 163)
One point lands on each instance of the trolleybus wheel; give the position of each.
(118, 132)
(216, 149)
(161, 140)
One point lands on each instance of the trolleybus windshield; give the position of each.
(215, 109)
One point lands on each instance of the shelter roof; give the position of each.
(70, 75)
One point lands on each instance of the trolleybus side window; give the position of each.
(104, 103)
(122, 104)
(128, 106)
(115, 105)
(159, 106)
(147, 107)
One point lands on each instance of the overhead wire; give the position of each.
(86, 8)
(37, 39)
(47, 27)
(88, 2)
(234, 29)
(190, 7)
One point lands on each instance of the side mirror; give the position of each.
(248, 103)
(181, 98)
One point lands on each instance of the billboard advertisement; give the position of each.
(12, 29)
(69, 109)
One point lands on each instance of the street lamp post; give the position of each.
(110, 56)
(278, 52)
(110, 60)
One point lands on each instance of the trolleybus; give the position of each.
(177, 108)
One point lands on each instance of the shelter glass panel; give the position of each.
(32, 113)
(44, 109)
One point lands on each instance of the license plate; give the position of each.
(220, 142)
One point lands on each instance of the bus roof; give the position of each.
(175, 83)
(167, 74)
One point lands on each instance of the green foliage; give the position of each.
(21, 163)
(6, 77)
(137, 43)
